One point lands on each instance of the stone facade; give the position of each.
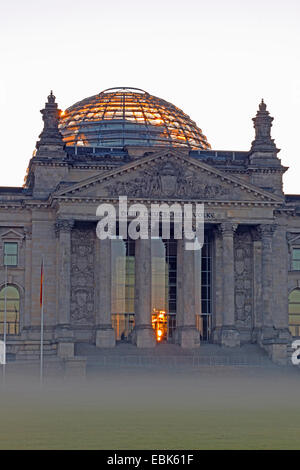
(253, 228)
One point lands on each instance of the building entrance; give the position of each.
(164, 289)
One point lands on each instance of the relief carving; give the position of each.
(243, 255)
(82, 276)
(170, 180)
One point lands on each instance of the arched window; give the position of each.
(12, 310)
(294, 312)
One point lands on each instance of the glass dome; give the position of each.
(118, 117)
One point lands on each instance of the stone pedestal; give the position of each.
(277, 351)
(144, 335)
(230, 337)
(65, 349)
(105, 336)
(188, 337)
(65, 341)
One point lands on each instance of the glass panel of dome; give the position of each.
(134, 141)
(136, 107)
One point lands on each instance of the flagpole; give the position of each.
(5, 323)
(42, 324)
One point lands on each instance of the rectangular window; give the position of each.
(10, 254)
(296, 259)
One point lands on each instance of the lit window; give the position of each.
(296, 259)
(294, 312)
(10, 305)
(10, 254)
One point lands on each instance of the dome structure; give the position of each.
(119, 117)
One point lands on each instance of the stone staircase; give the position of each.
(170, 356)
(30, 350)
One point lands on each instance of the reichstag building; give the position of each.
(243, 286)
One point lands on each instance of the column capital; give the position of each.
(27, 233)
(266, 230)
(63, 225)
(227, 228)
(255, 234)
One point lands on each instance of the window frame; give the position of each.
(5, 243)
(292, 303)
(294, 248)
(17, 322)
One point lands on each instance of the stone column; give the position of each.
(229, 334)
(267, 231)
(64, 334)
(280, 282)
(186, 333)
(105, 336)
(144, 335)
(275, 335)
(217, 287)
(28, 282)
(257, 283)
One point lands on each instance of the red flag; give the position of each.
(42, 283)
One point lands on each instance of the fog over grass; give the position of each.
(212, 408)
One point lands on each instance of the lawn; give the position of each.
(115, 413)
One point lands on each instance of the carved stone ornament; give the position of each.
(255, 234)
(267, 230)
(63, 226)
(51, 141)
(228, 228)
(27, 233)
(262, 124)
(243, 269)
(293, 238)
(82, 276)
(169, 179)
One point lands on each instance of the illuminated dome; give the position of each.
(129, 116)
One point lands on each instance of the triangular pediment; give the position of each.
(11, 234)
(167, 174)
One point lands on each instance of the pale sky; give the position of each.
(214, 59)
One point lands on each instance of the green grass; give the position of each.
(134, 410)
(88, 428)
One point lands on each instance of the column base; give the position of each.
(65, 341)
(230, 337)
(267, 333)
(105, 337)
(144, 337)
(66, 349)
(276, 343)
(216, 335)
(188, 337)
(277, 352)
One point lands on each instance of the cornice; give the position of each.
(160, 156)
(208, 202)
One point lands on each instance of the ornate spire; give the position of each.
(51, 144)
(262, 125)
